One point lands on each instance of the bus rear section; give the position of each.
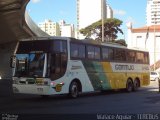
(111, 66)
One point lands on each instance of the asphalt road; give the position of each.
(145, 101)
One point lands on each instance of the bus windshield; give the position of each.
(31, 65)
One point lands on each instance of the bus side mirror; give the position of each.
(13, 61)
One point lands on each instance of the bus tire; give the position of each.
(73, 90)
(129, 85)
(136, 85)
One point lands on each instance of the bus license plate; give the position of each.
(40, 89)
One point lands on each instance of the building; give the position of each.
(50, 27)
(61, 23)
(153, 12)
(109, 12)
(90, 11)
(67, 30)
(143, 38)
(148, 36)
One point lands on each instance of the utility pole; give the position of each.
(155, 42)
(102, 12)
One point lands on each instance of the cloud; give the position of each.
(119, 12)
(36, 1)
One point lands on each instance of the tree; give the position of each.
(111, 29)
(121, 42)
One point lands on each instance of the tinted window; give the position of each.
(146, 58)
(77, 50)
(81, 51)
(107, 53)
(154, 73)
(97, 53)
(120, 55)
(140, 57)
(93, 52)
(74, 50)
(131, 55)
(37, 45)
(60, 46)
(90, 52)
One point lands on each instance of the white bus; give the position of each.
(60, 65)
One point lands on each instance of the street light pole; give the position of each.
(102, 12)
(154, 42)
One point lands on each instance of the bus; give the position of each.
(60, 65)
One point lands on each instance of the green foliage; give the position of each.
(121, 42)
(111, 29)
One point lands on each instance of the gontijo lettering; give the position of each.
(124, 67)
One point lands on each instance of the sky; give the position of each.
(126, 10)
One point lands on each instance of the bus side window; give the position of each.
(146, 56)
(131, 56)
(58, 65)
(63, 63)
(107, 53)
(52, 66)
(120, 54)
(55, 67)
(139, 57)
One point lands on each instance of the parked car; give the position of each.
(154, 76)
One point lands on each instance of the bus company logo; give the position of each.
(76, 67)
(124, 67)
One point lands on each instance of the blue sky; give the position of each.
(56, 10)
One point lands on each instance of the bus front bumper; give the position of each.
(33, 89)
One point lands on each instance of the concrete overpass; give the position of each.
(15, 24)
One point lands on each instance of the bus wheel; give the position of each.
(73, 90)
(136, 85)
(129, 85)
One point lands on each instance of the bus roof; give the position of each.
(85, 41)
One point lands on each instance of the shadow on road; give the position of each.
(6, 93)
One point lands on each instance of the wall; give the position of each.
(6, 51)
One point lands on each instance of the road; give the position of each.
(145, 100)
